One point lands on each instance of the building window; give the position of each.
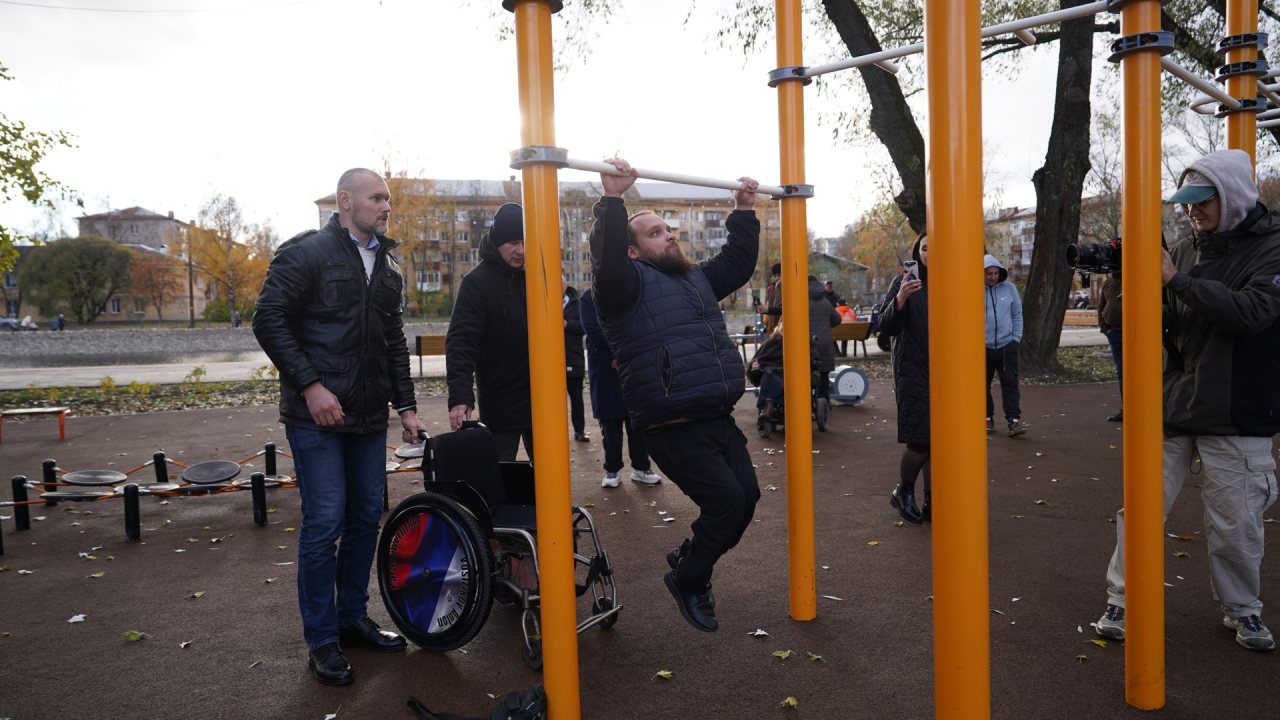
(11, 308)
(114, 307)
(139, 305)
(11, 280)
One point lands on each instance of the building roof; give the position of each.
(675, 192)
(133, 213)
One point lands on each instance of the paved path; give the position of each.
(173, 373)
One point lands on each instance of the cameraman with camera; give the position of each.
(1221, 388)
(1109, 317)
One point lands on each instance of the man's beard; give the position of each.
(673, 261)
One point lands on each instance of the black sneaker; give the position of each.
(698, 608)
(675, 556)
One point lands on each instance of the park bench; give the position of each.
(858, 332)
(428, 345)
(61, 412)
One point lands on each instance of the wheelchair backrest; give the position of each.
(469, 456)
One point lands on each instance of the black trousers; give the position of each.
(509, 443)
(709, 462)
(577, 413)
(611, 429)
(1004, 362)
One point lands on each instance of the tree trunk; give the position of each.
(891, 118)
(1059, 184)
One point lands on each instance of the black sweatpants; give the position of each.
(611, 429)
(709, 462)
(577, 413)
(1004, 362)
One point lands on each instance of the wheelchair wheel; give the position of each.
(434, 570)
(821, 408)
(604, 605)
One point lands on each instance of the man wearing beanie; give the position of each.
(1221, 388)
(681, 374)
(488, 339)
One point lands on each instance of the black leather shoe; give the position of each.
(906, 504)
(366, 633)
(698, 608)
(329, 666)
(581, 437)
(926, 510)
(1118, 417)
(675, 556)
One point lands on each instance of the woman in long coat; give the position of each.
(904, 316)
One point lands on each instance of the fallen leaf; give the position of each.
(833, 597)
(1016, 599)
(270, 580)
(282, 547)
(814, 656)
(588, 505)
(758, 633)
(1018, 517)
(196, 595)
(255, 663)
(289, 529)
(26, 572)
(133, 635)
(76, 618)
(283, 563)
(873, 543)
(770, 487)
(790, 702)
(331, 716)
(183, 645)
(1099, 643)
(1082, 658)
(651, 503)
(270, 511)
(1180, 554)
(1041, 502)
(668, 519)
(664, 674)
(782, 654)
(97, 574)
(1184, 537)
(193, 540)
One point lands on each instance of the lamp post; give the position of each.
(191, 288)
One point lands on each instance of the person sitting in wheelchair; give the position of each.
(765, 372)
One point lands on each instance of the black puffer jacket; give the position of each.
(574, 360)
(488, 341)
(318, 319)
(909, 328)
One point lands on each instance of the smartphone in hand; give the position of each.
(911, 267)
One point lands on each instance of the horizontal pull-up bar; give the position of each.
(607, 169)
(1214, 93)
(1017, 27)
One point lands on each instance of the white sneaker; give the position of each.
(610, 480)
(1251, 633)
(648, 477)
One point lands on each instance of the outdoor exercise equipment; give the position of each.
(208, 477)
(446, 553)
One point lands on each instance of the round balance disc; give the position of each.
(410, 451)
(93, 477)
(77, 495)
(210, 472)
(267, 481)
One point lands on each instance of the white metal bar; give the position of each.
(1015, 26)
(731, 185)
(1026, 36)
(888, 66)
(1200, 84)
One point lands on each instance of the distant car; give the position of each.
(9, 323)
(1079, 299)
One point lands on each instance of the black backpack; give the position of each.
(528, 704)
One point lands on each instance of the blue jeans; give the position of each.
(341, 477)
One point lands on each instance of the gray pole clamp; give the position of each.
(1234, 42)
(798, 191)
(556, 5)
(539, 155)
(1161, 40)
(788, 73)
(1248, 67)
(1253, 105)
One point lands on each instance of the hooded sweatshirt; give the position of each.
(1222, 339)
(1004, 308)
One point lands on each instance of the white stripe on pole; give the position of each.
(1015, 27)
(607, 169)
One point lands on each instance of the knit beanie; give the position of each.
(508, 225)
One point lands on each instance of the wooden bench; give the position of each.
(858, 332)
(1080, 317)
(61, 412)
(428, 345)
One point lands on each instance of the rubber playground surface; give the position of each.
(214, 596)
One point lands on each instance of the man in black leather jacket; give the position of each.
(329, 317)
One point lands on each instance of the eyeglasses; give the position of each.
(1200, 204)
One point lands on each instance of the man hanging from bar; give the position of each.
(681, 374)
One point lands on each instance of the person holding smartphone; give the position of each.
(904, 316)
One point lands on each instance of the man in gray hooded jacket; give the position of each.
(1221, 385)
(1004, 338)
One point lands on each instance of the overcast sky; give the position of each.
(171, 101)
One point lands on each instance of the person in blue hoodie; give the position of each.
(1004, 336)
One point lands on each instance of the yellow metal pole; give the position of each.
(1242, 127)
(795, 321)
(1143, 417)
(962, 652)
(547, 363)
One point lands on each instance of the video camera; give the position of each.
(1095, 258)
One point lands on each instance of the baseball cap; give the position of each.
(1195, 189)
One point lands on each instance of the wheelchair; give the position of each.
(469, 538)
(770, 422)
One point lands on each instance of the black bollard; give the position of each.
(21, 511)
(258, 485)
(161, 467)
(270, 458)
(132, 514)
(50, 470)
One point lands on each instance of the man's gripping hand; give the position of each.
(745, 196)
(615, 185)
